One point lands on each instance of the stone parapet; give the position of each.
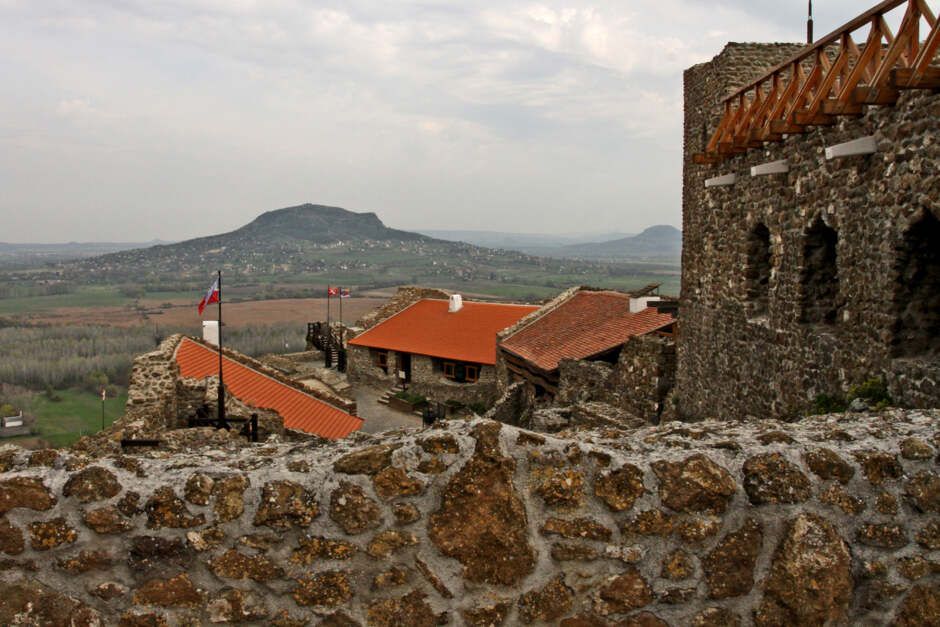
(831, 520)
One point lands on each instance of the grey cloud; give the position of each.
(139, 119)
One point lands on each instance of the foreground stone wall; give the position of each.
(832, 520)
(750, 341)
(638, 383)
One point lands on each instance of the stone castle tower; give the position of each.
(810, 281)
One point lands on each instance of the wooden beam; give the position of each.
(705, 159)
(927, 52)
(902, 78)
(868, 95)
(864, 62)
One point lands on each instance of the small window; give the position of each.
(380, 360)
(758, 269)
(917, 295)
(820, 277)
(460, 372)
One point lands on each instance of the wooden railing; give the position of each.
(832, 77)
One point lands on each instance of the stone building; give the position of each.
(174, 382)
(581, 325)
(821, 275)
(442, 349)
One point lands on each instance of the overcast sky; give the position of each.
(146, 119)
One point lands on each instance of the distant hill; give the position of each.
(533, 243)
(30, 254)
(661, 242)
(310, 244)
(319, 224)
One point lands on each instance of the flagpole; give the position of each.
(221, 412)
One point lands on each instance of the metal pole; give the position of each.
(103, 393)
(809, 24)
(221, 412)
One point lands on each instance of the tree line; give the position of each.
(88, 356)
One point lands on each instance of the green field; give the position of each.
(78, 413)
(88, 296)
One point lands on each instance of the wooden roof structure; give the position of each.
(835, 76)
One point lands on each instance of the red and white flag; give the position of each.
(212, 296)
(332, 291)
(344, 292)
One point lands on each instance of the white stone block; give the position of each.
(721, 181)
(771, 167)
(860, 146)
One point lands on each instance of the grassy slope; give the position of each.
(77, 414)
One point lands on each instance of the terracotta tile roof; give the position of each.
(427, 328)
(587, 324)
(300, 410)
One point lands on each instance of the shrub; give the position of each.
(829, 404)
(477, 408)
(414, 399)
(873, 391)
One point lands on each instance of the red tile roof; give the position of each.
(427, 328)
(300, 410)
(587, 324)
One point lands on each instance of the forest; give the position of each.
(89, 356)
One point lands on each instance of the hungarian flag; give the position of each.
(332, 291)
(212, 296)
(344, 292)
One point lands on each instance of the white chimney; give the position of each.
(639, 304)
(210, 332)
(456, 303)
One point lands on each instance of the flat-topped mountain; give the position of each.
(313, 223)
(312, 243)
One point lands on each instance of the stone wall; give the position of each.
(514, 406)
(425, 380)
(768, 327)
(832, 520)
(638, 383)
(360, 368)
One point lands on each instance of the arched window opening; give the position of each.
(820, 278)
(917, 301)
(757, 270)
